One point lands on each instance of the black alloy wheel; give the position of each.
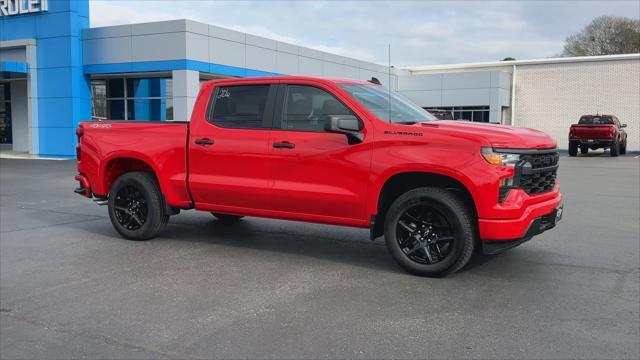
(424, 235)
(131, 207)
(137, 208)
(430, 231)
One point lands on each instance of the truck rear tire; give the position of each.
(226, 217)
(573, 149)
(615, 149)
(137, 207)
(623, 148)
(584, 149)
(429, 232)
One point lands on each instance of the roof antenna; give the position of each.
(389, 85)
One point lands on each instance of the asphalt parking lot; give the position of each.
(71, 288)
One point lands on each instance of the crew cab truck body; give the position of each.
(337, 152)
(598, 131)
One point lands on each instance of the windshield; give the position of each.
(376, 99)
(595, 120)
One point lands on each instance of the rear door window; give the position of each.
(242, 107)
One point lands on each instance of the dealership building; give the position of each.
(56, 70)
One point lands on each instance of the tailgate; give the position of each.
(592, 131)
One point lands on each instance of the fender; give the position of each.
(172, 188)
(381, 180)
(122, 154)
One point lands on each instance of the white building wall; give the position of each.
(551, 97)
(186, 39)
(186, 84)
(481, 88)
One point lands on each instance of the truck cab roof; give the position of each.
(292, 78)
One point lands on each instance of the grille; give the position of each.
(538, 161)
(538, 183)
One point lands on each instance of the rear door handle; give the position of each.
(204, 142)
(284, 144)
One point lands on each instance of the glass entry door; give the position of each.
(5, 113)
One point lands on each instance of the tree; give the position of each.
(605, 35)
(509, 58)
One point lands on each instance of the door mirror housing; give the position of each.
(345, 124)
(623, 125)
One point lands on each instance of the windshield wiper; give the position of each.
(405, 122)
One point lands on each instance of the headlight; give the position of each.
(500, 159)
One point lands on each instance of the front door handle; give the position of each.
(284, 144)
(204, 141)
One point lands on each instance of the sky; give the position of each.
(420, 32)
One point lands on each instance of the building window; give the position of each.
(145, 99)
(5, 113)
(469, 113)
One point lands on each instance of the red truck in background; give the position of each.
(598, 131)
(339, 152)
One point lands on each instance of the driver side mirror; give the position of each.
(623, 125)
(345, 124)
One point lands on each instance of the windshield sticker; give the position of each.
(224, 93)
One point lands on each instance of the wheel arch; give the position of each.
(399, 183)
(119, 164)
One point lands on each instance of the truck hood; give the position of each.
(498, 136)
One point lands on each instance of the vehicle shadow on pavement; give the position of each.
(352, 247)
(325, 243)
(335, 244)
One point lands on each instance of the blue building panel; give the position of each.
(55, 112)
(13, 67)
(67, 49)
(18, 27)
(57, 24)
(59, 82)
(57, 141)
(63, 97)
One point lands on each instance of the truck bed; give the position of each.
(162, 144)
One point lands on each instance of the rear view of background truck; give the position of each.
(338, 152)
(598, 131)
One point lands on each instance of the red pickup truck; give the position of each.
(337, 152)
(598, 131)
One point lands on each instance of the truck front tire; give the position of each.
(136, 206)
(430, 232)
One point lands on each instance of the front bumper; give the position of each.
(501, 234)
(536, 227)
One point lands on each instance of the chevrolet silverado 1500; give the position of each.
(598, 131)
(338, 152)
